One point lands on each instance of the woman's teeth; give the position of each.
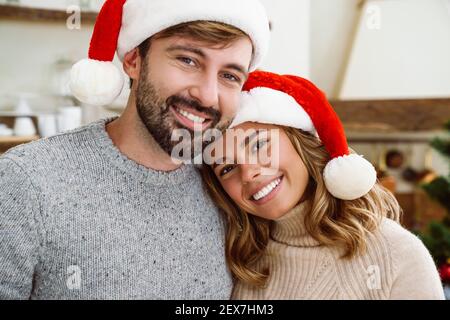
(191, 116)
(266, 190)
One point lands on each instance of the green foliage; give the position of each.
(439, 190)
(437, 237)
(437, 240)
(442, 146)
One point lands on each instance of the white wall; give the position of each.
(29, 51)
(290, 45)
(332, 26)
(408, 55)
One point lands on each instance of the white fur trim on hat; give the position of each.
(349, 177)
(143, 18)
(96, 82)
(265, 105)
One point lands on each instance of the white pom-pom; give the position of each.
(349, 177)
(95, 82)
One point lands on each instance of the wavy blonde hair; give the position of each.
(343, 224)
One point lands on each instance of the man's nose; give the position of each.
(206, 91)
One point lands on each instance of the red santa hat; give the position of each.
(124, 24)
(296, 102)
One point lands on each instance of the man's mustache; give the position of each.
(194, 104)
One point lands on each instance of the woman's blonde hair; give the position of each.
(343, 224)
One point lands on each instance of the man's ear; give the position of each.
(132, 64)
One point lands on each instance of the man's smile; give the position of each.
(191, 119)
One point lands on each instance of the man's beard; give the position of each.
(157, 117)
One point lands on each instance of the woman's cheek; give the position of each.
(233, 187)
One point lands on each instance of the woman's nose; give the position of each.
(249, 172)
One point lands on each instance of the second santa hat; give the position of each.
(296, 102)
(124, 24)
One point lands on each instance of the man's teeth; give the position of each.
(191, 116)
(266, 190)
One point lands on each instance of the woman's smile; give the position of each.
(267, 191)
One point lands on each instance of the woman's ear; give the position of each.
(132, 64)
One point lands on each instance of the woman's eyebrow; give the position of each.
(244, 144)
(250, 138)
(222, 161)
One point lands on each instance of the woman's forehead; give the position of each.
(237, 138)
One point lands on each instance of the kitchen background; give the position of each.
(384, 65)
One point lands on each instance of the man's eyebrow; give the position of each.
(238, 68)
(187, 48)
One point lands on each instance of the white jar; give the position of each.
(24, 126)
(69, 118)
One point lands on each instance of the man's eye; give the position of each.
(226, 170)
(187, 61)
(231, 77)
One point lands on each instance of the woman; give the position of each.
(308, 220)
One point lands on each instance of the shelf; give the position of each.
(36, 14)
(14, 114)
(393, 115)
(18, 140)
(11, 142)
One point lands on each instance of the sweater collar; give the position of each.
(290, 228)
(184, 174)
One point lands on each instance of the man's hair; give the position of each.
(210, 32)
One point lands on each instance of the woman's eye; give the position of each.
(226, 170)
(259, 145)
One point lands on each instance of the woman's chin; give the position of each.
(274, 214)
(275, 211)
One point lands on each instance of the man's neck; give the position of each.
(132, 138)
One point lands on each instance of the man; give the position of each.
(103, 211)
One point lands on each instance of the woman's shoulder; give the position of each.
(398, 249)
(414, 273)
(398, 238)
(398, 241)
(395, 234)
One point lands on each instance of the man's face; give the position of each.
(187, 84)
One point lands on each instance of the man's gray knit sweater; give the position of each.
(79, 220)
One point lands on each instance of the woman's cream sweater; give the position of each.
(396, 265)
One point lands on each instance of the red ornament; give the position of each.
(444, 272)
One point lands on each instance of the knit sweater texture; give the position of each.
(79, 220)
(396, 265)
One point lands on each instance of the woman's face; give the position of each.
(259, 168)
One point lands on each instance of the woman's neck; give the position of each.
(290, 229)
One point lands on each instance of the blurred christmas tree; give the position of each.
(437, 237)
